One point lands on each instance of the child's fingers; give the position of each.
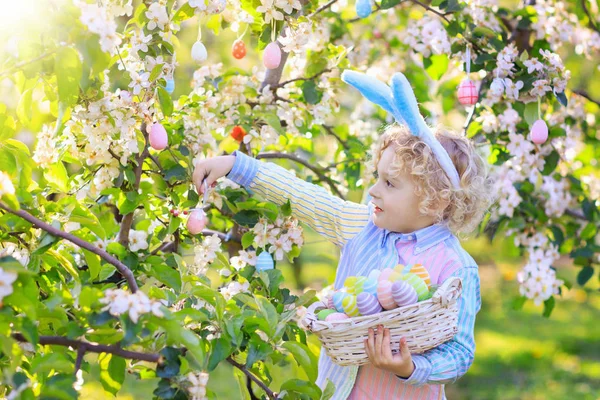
(404, 352)
(379, 340)
(387, 346)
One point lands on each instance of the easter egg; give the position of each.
(349, 283)
(338, 316)
(385, 274)
(539, 132)
(238, 133)
(384, 295)
(349, 304)
(374, 274)
(329, 302)
(363, 8)
(338, 297)
(170, 86)
(238, 49)
(199, 53)
(370, 286)
(324, 313)
(367, 304)
(417, 283)
(399, 268)
(359, 284)
(196, 222)
(272, 56)
(420, 271)
(394, 276)
(158, 137)
(467, 93)
(264, 261)
(403, 293)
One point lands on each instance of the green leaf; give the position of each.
(549, 306)
(329, 391)
(303, 387)
(562, 98)
(438, 66)
(259, 350)
(519, 302)
(385, 4)
(310, 92)
(171, 364)
(221, 349)
(112, 374)
(584, 275)
(93, 263)
(166, 103)
(286, 208)
(68, 71)
(240, 377)
(531, 113)
(246, 218)
(551, 163)
(268, 311)
(156, 71)
(128, 202)
(167, 275)
(185, 12)
(589, 231)
(247, 239)
(24, 109)
(57, 176)
(304, 357)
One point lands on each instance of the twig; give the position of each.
(592, 22)
(585, 94)
(250, 375)
(307, 165)
(80, 354)
(576, 214)
(322, 8)
(122, 268)
(302, 78)
(330, 131)
(425, 6)
(92, 348)
(24, 63)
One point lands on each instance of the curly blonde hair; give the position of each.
(467, 205)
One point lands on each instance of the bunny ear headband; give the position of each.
(400, 101)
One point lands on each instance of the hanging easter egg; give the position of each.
(467, 93)
(385, 274)
(539, 132)
(264, 261)
(363, 8)
(367, 304)
(370, 286)
(238, 133)
(417, 283)
(384, 295)
(338, 316)
(199, 53)
(322, 315)
(238, 49)
(403, 293)
(272, 55)
(170, 86)
(338, 299)
(196, 222)
(349, 304)
(374, 274)
(158, 137)
(420, 271)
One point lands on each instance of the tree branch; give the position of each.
(585, 94)
(322, 8)
(92, 348)
(425, 6)
(250, 375)
(302, 78)
(122, 268)
(307, 165)
(591, 22)
(24, 63)
(330, 131)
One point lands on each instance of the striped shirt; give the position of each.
(365, 247)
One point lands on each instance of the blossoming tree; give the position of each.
(97, 264)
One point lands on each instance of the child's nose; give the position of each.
(373, 192)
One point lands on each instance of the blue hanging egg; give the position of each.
(363, 8)
(264, 261)
(170, 86)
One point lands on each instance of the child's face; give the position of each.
(397, 206)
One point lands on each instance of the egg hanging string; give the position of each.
(468, 60)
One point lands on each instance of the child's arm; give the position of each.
(451, 360)
(330, 216)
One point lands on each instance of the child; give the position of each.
(415, 208)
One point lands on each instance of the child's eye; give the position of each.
(388, 183)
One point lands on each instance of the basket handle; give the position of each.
(311, 316)
(449, 292)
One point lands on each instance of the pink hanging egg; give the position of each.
(272, 55)
(384, 295)
(467, 93)
(336, 317)
(539, 132)
(196, 221)
(367, 304)
(158, 137)
(404, 294)
(385, 274)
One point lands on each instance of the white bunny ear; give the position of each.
(372, 88)
(405, 104)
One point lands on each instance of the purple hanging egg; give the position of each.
(368, 304)
(384, 295)
(403, 293)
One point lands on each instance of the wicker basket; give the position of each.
(425, 325)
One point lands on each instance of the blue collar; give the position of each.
(425, 237)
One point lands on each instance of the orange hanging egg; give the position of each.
(238, 49)
(238, 133)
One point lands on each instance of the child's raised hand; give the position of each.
(211, 169)
(379, 351)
